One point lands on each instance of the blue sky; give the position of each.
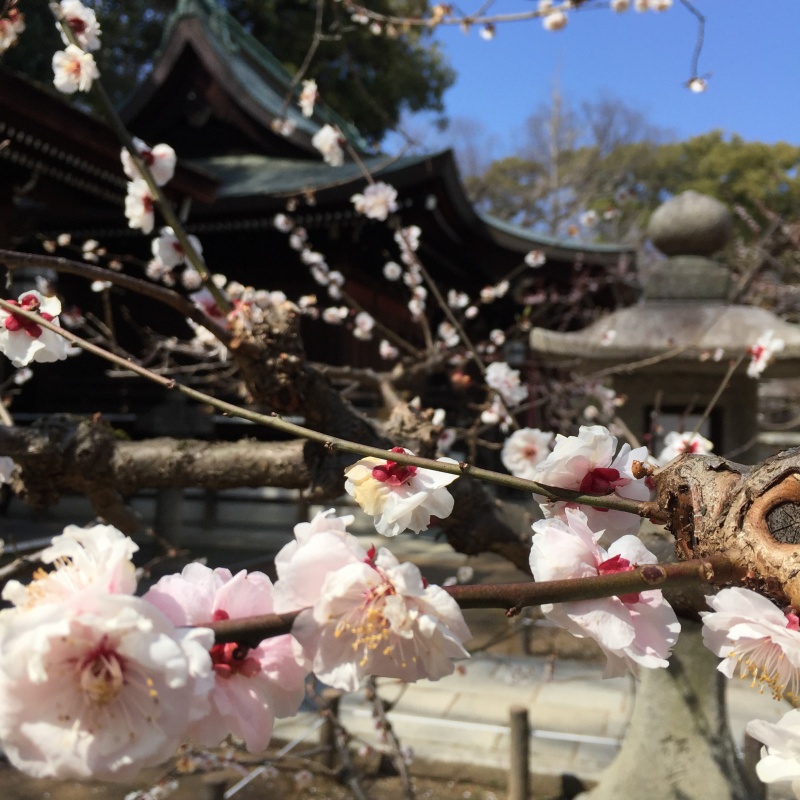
(751, 51)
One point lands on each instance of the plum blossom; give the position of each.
(749, 632)
(677, 443)
(168, 249)
(524, 449)
(334, 315)
(392, 271)
(94, 560)
(22, 340)
(761, 353)
(139, 206)
(83, 22)
(308, 96)
(697, 85)
(283, 223)
(328, 141)
(506, 381)
(535, 258)
(633, 630)
(11, 26)
(780, 758)
(398, 496)
(252, 685)
(387, 350)
(369, 614)
(620, 6)
(74, 70)
(377, 201)
(160, 160)
(98, 686)
(586, 463)
(363, 325)
(555, 21)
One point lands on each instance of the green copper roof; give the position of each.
(258, 71)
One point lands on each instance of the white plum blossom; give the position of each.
(456, 299)
(283, 223)
(328, 141)
(74, 70)
(23, 341)
(399, 497)
(697, 85)
(308, 97)
(620, 5)
(535, 258)
(448, 334)
(139, 206)
(586, 463)
(752, 634)
(83, 22)
(160, 160)
(168, 249)
(780, 758)
(660, 5)
(408, 241)
(488, 31)
(392, 271)
(369, 614)
(252, 685)
(283, 127)
(98, 686)
(761, 353)
(497, 337)
(677, 443)
(634, 630)
(506, 381)
(524, 449)
(334, 315)
(377, 201)
(94, 560)
(555, 21)
(387, 350)
(363, 325)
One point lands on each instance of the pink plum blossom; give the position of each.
(676, 444)
(83, 22)
(506, 381)
(586, 463)
(749, 632)
(94, 560)
(633, 630)
(98, 686)
(160, 160)
(399, 497)
(22, 340)
(374, 616)
(762, 352)
(780, 758)
(252, 685)
(524, 449)
(74, 70)
(328, 141)
(377, 201)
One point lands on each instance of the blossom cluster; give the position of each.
(74, 67)
(98, 682)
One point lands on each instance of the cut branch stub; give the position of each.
(749, 515)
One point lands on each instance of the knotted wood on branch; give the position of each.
(749, 515)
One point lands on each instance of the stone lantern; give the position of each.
(672, 350)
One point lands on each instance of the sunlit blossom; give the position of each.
(74, 70)
(634, 630)
(23, 341)
(677, 443)
(524, 449)
(377, 201)
(586, 463)
(252, 685)
(762, 353)
(755, 638)
(780, 758)
(399, 497)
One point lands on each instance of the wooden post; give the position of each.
(518, 780)
(327, 736)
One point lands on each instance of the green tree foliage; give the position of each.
(606, 158)
(369, 79)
